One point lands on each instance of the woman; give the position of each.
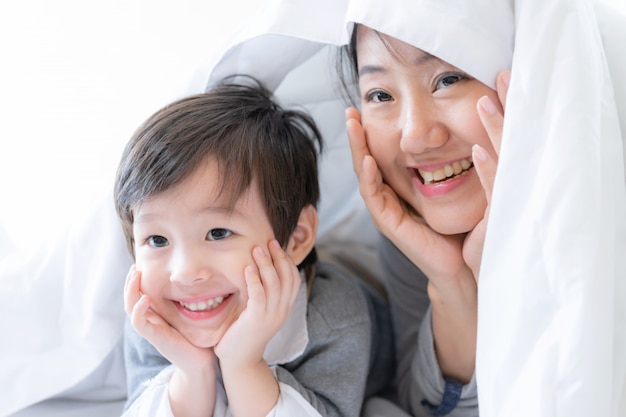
(550, 311)
(537, 296)
(427, 140)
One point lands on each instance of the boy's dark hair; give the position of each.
(249, 135)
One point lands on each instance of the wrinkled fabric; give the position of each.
(552, 310)
(62, 316)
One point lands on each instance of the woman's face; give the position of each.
(420, 119)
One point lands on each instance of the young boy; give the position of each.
(217, 195)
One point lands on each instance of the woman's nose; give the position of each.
(189, 266)
(421, 129)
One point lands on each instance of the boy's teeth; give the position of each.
(203, 305)
(447, 171)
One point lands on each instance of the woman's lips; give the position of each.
(436, 182)
(445, 172)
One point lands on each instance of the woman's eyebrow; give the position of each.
(422, 59)
(370, 69)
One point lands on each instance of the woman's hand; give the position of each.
(438, 256)
(167, 340)
(486, 166)
(452, 263)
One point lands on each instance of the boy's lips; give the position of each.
(203, 304)
(204, 309)
(434, 175)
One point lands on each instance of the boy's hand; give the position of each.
(272, 290)
(167, 340)
(250, 385)
(192, 387)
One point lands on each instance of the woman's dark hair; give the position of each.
(348, 65)
(348, 69)
(249, 135)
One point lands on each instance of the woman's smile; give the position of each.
(433, 184)
(432, 175)
(420, 119)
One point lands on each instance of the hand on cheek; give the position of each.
(486, 167)
(272, 287)
(167, 340)
(382, 202)
(438, 256)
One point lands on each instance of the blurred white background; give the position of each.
(76, 79)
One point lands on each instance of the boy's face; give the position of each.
(192, 251)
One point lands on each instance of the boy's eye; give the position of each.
(157, 241)
(379, 96)
(218, 234)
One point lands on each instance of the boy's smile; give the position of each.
(192, 249)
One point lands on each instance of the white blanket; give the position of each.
(552, 307)
(552, 291)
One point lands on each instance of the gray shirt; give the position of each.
(418, 376)
(334, 372)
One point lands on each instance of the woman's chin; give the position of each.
(444, 226)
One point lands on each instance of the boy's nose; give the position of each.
(189, 267)
(421, 130)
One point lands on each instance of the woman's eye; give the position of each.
(447, 80)
(157, 241)
(379, 96)
(218, 234)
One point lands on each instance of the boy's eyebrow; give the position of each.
(145, 217)
(219, 209)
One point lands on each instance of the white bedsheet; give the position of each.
(61, 309)
(72, 408)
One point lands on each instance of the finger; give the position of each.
(486, 168)
(138, 315)
(353, 114)
(288, 274)
(269, 277)
(492, 120)
(502, 85)
(356, 137)
(256, 293)
(149, 324)
(473, 249)
(132, 291)
(142, 314)
(370, 184)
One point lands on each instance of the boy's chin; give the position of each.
(203, 342)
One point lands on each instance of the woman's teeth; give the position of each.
(447, 171)
(203, 305)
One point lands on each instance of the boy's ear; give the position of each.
(304, 235)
